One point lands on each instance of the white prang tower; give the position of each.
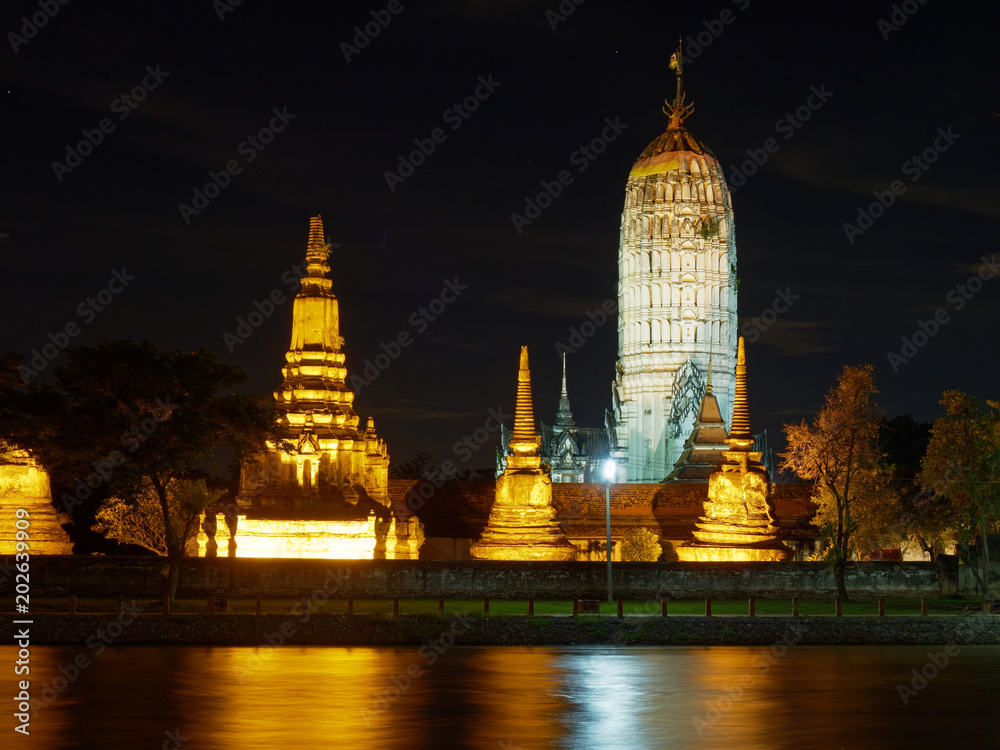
(676, 295)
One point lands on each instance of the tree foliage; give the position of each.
(139, 518)
(131, 419)
(640, 545)
(962, 467)
(839, 452)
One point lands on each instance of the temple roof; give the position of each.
(564, 417)
(671, 141)
(705, 445)
(675, 147)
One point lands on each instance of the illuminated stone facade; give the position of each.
(676, 295)
(738, 522)
(523, 523)
(321, 492)
(25, 485)
(360, 539)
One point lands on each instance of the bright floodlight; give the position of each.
(609, 470)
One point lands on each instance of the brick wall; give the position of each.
(202, 577)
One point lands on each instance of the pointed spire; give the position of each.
(318, 250)
(678, 110)
(524, 441)
(740, 437)
(564, 417)
(708, 385)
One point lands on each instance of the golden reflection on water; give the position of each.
(501, 698)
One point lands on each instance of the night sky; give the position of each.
(209, 85)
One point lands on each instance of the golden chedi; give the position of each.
(523, 523)
(738, 520)
(26, 505)
(321, 491)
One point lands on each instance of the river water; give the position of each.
(504, 698)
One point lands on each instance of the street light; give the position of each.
(610, 470)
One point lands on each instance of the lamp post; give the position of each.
(609, 474)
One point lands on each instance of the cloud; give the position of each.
(795, 338)
(420, 411)
(545, 303)
(826, 169)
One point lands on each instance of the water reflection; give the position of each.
(574, 697)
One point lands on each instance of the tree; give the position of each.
(640, 545)
(416, 467)
(839, 452)
(962, 465)
(914, 516)
(139, 519)
(135, 420)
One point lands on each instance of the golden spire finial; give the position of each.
(678, 110)
(318, 249)
(740, 437)
(708, 385)
(524, 441)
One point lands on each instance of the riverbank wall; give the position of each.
(473, 629)
(127, 577)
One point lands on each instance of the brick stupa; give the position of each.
(523, 523)
(738, 519)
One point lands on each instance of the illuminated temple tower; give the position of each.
(323, 492)
(738, 518)
(676, 295)
(523, 523)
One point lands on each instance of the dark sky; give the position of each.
(62, 239)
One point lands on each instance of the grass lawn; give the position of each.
(764, 607)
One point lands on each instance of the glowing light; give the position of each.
(330, 540)
(610, 470)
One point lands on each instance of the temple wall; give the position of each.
(308, 539)
(140, 576)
